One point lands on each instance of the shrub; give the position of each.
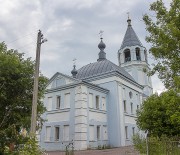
(157, 146)
(139, 143)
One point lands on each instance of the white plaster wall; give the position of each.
(49, 86)
(105, 133)
(81, 128)
(129, 119)
(80, 119)
(80, 112)
(114, 78)
(80, 137)
(121, 91)
(103, 103)
(81, 104)
(68, 81)
(97, 116)
(91, 133)
(57, 117)
(49, 103)
(66, 133)
(135, 68)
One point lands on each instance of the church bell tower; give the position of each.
(132, 56)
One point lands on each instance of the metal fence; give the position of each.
(163, 147)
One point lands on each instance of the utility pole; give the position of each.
(40, 40)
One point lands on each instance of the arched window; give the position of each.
(145, 55)
(138, 55)
(127, 55)
(130, 94)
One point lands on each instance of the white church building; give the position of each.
(96, 106)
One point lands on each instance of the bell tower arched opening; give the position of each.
(127, 55)
(138, 55)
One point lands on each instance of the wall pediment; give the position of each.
(59, 80)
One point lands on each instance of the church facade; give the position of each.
(96, 106)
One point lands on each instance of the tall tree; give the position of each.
(16, 87)
(160, 114)
(164, 35)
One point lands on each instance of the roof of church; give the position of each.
(99, 68)
(130, 38)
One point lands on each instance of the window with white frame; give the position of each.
(130, 94)
(133, 131)
(66, 133)
(98, 132)
(67, 100)
(90, 100)
(103, 103)
(124, 102)
(137, 107)
(91, 133)
(58, 102)
(131, 108)
(105, 135)
(48, 133)
(97, 102)
(57, 133)
(126, 132)
(49, 103)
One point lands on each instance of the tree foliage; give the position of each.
(160, 114)
(28, 147)
(16, 87)
(31, 147)
(164, 35)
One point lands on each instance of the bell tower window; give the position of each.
(127, 55)
(138, 56)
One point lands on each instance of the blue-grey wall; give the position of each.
(96, 122)
(112, 113)
(58, 145)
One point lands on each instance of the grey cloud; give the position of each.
(71, 27)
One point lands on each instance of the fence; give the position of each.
(157, 146)
(163, 147)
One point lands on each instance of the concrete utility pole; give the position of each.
(40, 40)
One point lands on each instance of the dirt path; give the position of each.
(129, 150)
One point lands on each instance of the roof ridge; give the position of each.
(100, 68)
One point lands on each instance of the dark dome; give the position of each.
(99, 68)
(74, 71)
(101, 45)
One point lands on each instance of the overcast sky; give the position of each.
(72, 29)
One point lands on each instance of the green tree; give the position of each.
(160, 114)
(30, 147)
(164, 35)
(16, 87)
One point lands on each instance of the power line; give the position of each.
(25, 45)
(24, 36)
(22, 47)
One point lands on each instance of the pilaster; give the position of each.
(81, 124)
